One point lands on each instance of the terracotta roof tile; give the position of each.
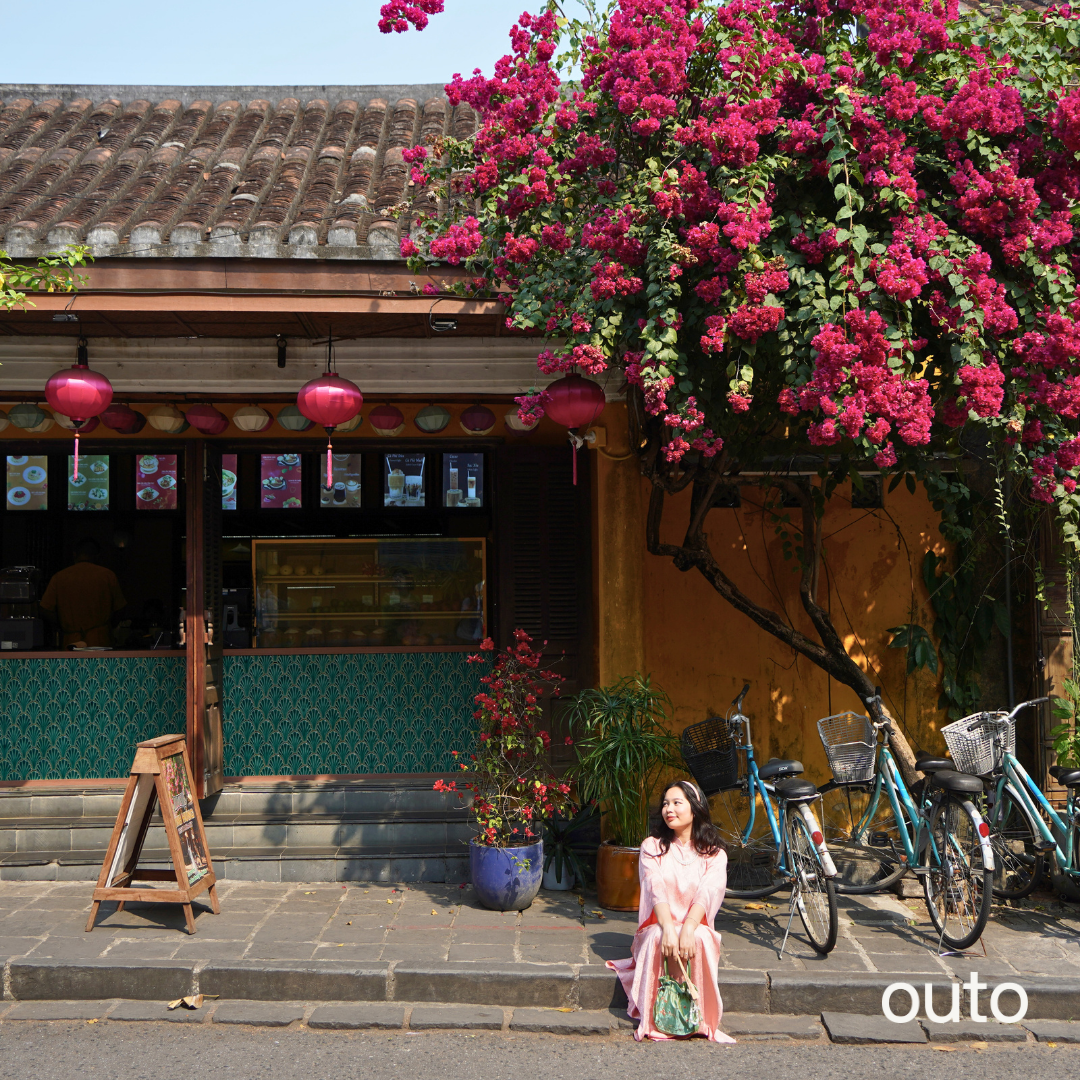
(189, 171)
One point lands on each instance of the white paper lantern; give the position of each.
(167, 418)
(251, 418)
(4, 421)
(517, 425)
(349, 425)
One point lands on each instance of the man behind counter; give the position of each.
(83, 598)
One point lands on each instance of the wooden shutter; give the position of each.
(544, 561)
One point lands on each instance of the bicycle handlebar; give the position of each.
(874, 705)
(737, 703)
(1012, 716)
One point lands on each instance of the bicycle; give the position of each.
(942, 838)
(1024, 825)
(785, 844)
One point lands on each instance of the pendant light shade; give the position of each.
(432, 419)
(123, 419)
(292, 419)
(26, 416)
(4, 421)
(387, 420)
(518, 426)
(574, 402)
(477, 420)
(251, 418)
(78, 392)
(43, 425)
(207, 420)
(349, 425)
(167, 418)
(69, 424)
(329, 400)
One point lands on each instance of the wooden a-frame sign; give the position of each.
(160, 773)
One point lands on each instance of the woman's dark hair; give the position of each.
(706, 840)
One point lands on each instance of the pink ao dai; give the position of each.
(680, 878)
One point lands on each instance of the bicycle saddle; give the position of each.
(794, 790)
(1068, 777)
(961, 783)
(778, 768)
(925, 762)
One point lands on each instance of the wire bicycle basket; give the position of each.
(978, 742)
(710, 750)
(850, 745)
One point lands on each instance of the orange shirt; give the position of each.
(84, 597)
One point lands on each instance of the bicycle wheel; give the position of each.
(868, 854)
(958, 886)
(753, 865)
(816, 893)
(1018, 862)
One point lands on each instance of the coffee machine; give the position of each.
(20, 625)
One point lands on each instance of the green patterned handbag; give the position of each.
(676, 1010)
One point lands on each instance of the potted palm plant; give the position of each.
(623, 744)
(567, 848)
(514, 789)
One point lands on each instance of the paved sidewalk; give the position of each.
(434, 943)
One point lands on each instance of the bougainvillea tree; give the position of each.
(840, 229)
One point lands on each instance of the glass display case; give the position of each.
(369, 593)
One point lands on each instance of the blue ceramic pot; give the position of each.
(506, 879)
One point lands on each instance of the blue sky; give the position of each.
(260, 42)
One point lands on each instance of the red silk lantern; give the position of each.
(79, 393)
(477, 420)
(206, 419)
(123, 419)
(387, 420)
(329, 400)
(574, 402)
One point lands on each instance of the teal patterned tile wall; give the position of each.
(310, 713)
(80, 718)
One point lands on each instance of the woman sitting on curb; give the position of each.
(683, 871)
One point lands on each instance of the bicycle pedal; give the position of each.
(1045, 845)
(920, 871)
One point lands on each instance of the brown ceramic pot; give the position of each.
(617, 877)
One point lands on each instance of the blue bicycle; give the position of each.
(766, 818)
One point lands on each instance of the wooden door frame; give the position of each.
(194, 622)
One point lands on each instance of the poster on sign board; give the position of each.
(28, 482)
(463, 480)
(90, 489)
(228, 481)
(346, 483)
(281, 481)
(155, 482)
(404, 479)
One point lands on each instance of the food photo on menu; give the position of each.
(89, 490)
(281, 477)
(155, 482)
(404, 482)
(28, 482)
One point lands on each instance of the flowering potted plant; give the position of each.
(514, 789)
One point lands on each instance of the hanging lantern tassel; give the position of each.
(329, 468)
(75, 474)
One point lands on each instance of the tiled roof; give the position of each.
(277, 172)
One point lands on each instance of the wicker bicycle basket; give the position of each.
(710, 750)
(978, 742)
(850, 746)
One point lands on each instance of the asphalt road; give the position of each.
(68, 1050)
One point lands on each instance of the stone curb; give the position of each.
(502, 985)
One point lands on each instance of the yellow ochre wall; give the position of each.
(673, 625)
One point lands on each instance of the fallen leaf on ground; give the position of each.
(94, 1021)
(349, 923)
(754, 907)
(192, 1001)
(944, 1049)
(434, 912)
(564, 1010)
(1053, 1046)
(388, 900)
(978, 1046)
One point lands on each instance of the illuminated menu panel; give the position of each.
(90, 489)
(28, 482)
(228, 481)
(404, 480)
(463, 480)
(280, 477)
(346, 473)
(155, 482)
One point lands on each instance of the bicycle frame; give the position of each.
(1021, 786)
(754, 786)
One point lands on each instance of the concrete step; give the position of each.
(383, 829)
